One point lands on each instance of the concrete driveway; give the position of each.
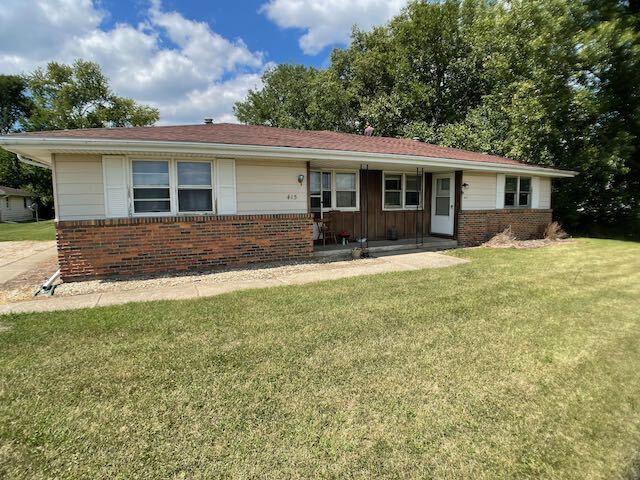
(25, 265)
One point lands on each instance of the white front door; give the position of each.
(442, 204)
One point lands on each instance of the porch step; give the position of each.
(431, 244)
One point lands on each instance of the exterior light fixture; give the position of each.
(465, 186)
(300, 179)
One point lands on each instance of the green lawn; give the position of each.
(43, 230)
(520, 364)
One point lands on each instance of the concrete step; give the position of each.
(432, 245)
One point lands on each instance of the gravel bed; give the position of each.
(256, 272)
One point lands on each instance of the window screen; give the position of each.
(151, 186)
(195, 187)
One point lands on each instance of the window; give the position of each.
(151, 186)
(333, 190)
(443, 196)
(402, 190)
(346, 190)
(6, 199)
(24, 202)
(195, 190)
(412, 190)
(320, 191)
(517, 192)
(392, 191)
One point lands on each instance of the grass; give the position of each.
(520, 364)
(43, 230)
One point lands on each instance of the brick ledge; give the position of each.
(105, 222)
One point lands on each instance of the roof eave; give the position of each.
(40, 148)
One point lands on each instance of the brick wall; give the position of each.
(477, 226)
(133, 246)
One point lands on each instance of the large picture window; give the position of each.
(151, 192)
(333, 190)
(402, 191)
(517, 192)
(195, 191)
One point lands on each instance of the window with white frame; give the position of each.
(517, 192)
(333, 190)
(346, 190)
(172, 186)
(402, 190)
(412, 191)
(151, 190)
(392, 190)
(195, 188)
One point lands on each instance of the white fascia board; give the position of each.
(47, 145)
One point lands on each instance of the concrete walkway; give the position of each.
(17, 258)
(383, 264)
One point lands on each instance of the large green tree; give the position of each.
(59, 97)
(79, 96)
(552, 82)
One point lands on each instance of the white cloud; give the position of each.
(201, 74)
(328, 22)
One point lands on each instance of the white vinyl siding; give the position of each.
(486, 191)
(79, 187)
(270, 187)
(544, 200)
(480, 194)
(15, 211)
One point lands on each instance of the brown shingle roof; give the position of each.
(14, 191)
(229, 133)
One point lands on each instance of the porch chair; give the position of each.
(327, 232)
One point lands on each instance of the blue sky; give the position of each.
(191, 59)
(231, 19)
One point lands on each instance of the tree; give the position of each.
(14, 102)
(79, 96)
(551, 82)
(59, 97)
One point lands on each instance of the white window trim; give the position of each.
(334, 207)
(195, 187)
(403, 193)
(173, 186)
(517, 198)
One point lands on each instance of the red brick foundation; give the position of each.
(134, 246)
(477, 226)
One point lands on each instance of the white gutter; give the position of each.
(50, 144)
(35, 163)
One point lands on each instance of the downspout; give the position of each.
(48, 287)
(35, 163)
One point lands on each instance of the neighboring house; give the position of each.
(155, 199)
(14, 205)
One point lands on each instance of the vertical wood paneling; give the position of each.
(379, 221)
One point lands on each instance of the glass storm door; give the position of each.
(442, 204)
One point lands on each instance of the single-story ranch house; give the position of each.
(156, 199)
(15, 205)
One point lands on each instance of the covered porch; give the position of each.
(383, 206)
